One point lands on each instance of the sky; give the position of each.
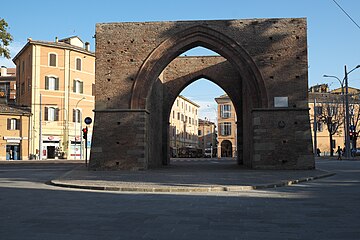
(333, 39)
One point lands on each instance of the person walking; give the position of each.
(339, 152)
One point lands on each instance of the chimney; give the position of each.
(87, 46)
(3, 71)
(56, 39)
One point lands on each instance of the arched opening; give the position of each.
(233, 70)
(226, 149)
(193, 131)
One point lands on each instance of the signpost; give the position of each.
(87, 121)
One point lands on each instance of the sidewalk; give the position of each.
(186, 176)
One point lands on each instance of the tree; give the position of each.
(332, 115)
(354, 110)
(5, 39)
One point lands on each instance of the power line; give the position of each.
(347, 14)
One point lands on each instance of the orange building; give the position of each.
(227, 127)
(56, 81)
(14, 132)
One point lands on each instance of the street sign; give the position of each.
(88, 120)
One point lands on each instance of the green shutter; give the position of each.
(46, 113)
(9, 124)
(56, 83)
(46, 82)
(81, 87)
(17, 124)
(56, 114)
(74, 85)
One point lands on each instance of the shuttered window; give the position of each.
(76, 115)
(13, 124)
(78, 64)
(78, 86)
(51, 114)
(51, 83)
(52, 60)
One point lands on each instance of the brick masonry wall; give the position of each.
(282, 139)
(131, 56)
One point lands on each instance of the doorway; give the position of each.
(226, 148)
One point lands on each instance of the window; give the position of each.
(225, 129)
(178, 116)
(78, 64)
(177, 103)
(13, 124)
(199, 132)
(76, 115)
(51, 114)
(78, 86)
(51, 83)
(182, 117)
(52, 59)
(225, 111)
(93, 89)
(173, 114)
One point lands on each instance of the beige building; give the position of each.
(330, 109)
(183, 124)
(207, 137)
(56, 80)
(227, 141)
(14, 132)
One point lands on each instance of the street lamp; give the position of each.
(345, 81)
(76, 122)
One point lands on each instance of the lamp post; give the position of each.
(76, 122)
(346, 127)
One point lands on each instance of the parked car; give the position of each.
(355, 152)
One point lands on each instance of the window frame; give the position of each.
(225, 129)
(224, 112)
(77, 61)
(49, 59)
(55, 86)
(78, 86)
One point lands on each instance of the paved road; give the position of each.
(323, 209)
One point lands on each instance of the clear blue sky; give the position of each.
(333, 40)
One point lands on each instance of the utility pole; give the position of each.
(40, 132)
(315, 129)
(347, 137)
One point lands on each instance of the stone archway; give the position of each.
(132, 98)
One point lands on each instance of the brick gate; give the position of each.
(263, 69)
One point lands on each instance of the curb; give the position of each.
(58, 183)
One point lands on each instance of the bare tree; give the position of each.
(332, 114)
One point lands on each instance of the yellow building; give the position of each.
(183, 124)
(207, 137)
(227, 141)
(14, 132)
(330, 109)
(56, 80)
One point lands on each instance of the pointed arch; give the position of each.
(190, 38)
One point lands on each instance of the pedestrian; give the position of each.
(318, 152)
(339, 152)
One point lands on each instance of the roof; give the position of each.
(14, 110)
(61, 45)
(188, 100)
(71, 37)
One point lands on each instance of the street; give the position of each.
(326, 208)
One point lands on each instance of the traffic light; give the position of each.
(85, 132)
(351, 134)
